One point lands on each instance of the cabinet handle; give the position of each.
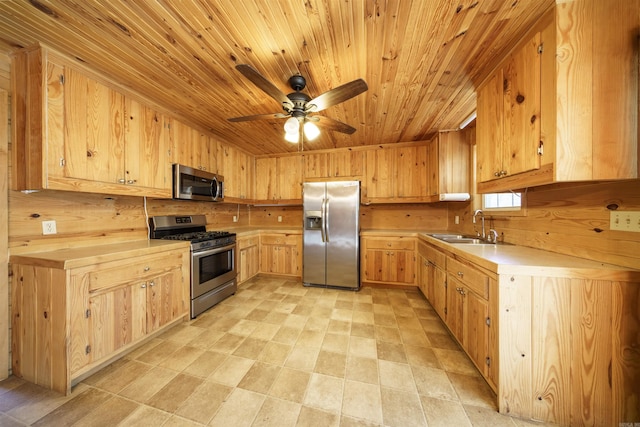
(147, 268)
(503, 173)
(144, 285)
(460, 274)
(152, 283)
(459, 289)
(121, 181)
(131, 181)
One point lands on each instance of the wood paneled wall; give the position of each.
(571, 219)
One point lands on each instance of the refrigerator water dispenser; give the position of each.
(312, 220)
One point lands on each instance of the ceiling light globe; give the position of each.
(291, 137)
(311, 131)
(292, 125)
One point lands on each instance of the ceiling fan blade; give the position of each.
(337, 95)
(259, 117)
(249, 72)
(331, 124)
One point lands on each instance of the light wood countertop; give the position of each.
(89, 255)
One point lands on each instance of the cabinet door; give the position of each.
(387, 266)
(411, 166)
(346, 164)
(489, 129)
(205, 155)
(164, 299)
(316, 165)
(147, 159)
(289, 171)
(476, 330)
(266, 179)
(117, 318)
(248, 263)
(425, 278)
(380, 173)
(94, 132)
(521, 86)
(440, 292)
(235, 166)
(184, 141)
(433, 167)
(455, 308)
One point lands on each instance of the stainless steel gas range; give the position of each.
(213, 264)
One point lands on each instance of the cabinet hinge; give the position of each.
(540, 47)
(87, 314)
(488, 321)
(488, 361)
(445, 310)
(61, 79)
(62, 162)
(541, 148)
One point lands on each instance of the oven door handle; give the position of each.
(213, 251)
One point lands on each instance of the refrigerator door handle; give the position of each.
(326, 220)
(322, 220)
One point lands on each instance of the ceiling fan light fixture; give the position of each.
(311, 131)
(292, 126)
(291, 137)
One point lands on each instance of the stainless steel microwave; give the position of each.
(196, 184)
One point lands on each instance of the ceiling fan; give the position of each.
(298, 105)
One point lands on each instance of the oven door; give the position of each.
(212, 268)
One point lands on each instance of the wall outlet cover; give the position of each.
(625, 221)
(49, 227)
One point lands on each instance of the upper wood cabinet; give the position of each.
(192, 148)
(338, 164)
(448, 162)
(237, 168)
(279, 179)
(563, 106)
(73, 132)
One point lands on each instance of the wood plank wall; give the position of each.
(5, 360)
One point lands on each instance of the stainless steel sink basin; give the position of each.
(460, 239)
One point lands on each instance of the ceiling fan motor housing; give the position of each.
(299, 101)
(297, 82)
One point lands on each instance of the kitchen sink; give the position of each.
(460, 239)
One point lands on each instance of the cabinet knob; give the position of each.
(460, 274)
(131, 181)
(152, 283)
(144, 285)
(147, 268)
(121, 181)
(503, 173)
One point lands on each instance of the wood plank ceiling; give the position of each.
(420, 58)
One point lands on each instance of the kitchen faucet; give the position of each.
(475, 214)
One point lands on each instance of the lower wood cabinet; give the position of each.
(388, 260)
(248, 257)
(68, 321)
(281, 254)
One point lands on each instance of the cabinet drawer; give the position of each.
(475, 280)
(390, 244)
(120, 272)
(280, 239)
(246, 242)
(432, 255)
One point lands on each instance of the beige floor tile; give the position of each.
(434, 383)
(275, 353)
(302, 358)
(240, 409)
(382, 306)
(365, 317)
(182, 333)
(260, 377)
(415, 337)
(396, 375)
(362, 369)
(444, 341)
(362, 401)
(144, 348)
(315, 323)
(275, 318)
(244, 327)
(444, 413)
(110, 413)
(265, 331)
(339, 327)
(205, 364)
(363, 347)
(228, 343)
(231, 371)
(291, 385)
(145, 416)
(433, 325)
(178, 421)
(119, 376)
(346, 421)
(391, 352)
(287, 335)
(149, 384)
(277, 413)
(363, 306)
(297, 320)
(204, 402)
(364, 330)
(250, 348)
(312, 417)
(483, 417)
(310, 338)
(74, 409)
(455, 361)
(7, 421)
(257, 314)
(171, 396)
(421, 356)
(343, 314)
(402, 409)
(324, 392)
(383, 319)
(337, 343)
(389, 334)
(28, 403)
(329, 363)
(206, 339)
(181, 358)
(158, 353)
(473, 390)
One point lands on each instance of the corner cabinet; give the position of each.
(72, 316)
(541, 116)
(73, 132)
(388, 260)
(281, 254)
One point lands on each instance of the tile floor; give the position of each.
(280, 354)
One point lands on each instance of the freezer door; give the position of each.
(342, 216)
(313, 254)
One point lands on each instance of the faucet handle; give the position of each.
(493, 236)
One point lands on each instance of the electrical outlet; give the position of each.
(235, 218)
(279, 218)
(49, 227)
(456, 219)
(625, 221)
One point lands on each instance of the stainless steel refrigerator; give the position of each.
(331, 255)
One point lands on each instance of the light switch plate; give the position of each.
(625, 221)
